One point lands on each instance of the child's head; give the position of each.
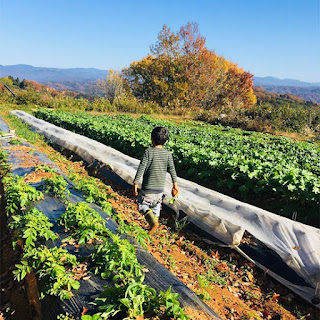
(159, 135)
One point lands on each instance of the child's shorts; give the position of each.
(151, 201)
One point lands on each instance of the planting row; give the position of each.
(283, 175)
(113, 257)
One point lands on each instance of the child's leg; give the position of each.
(150, 206)
(143, 204)
(150, 201)
(156, 210)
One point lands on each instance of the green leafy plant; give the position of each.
(94, 194)
(136, 299)
(172, 306)
(119, 257)
(4, 165)
(93, 317)
(15, 141)
(84, 222)
(92, 191)
(56, 185)
(141, 235)
(33, 226)
(45, 168)
(19, 195)
(50, 266)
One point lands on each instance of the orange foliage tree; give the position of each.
(181, 71)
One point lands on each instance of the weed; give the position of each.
(171, 262)
(203, 295)
(22, 129)
(15, 141)
(45, 168)
(180, 225)
(203, 281)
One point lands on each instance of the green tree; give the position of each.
(7, 81)
(23, 84)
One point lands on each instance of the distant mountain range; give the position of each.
(305, 90)
(81, 79)
(271, 81)
(45, 75)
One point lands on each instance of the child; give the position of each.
(152, 169)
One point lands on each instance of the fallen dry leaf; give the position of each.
(84, 311)
(275, 297)
(250, 276)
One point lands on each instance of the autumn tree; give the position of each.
(180, 70)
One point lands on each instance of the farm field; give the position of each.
(271, 172)
(233, 287)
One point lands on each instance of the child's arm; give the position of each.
(140, 172)
(135, 189)
(172, 171)
(175, 189)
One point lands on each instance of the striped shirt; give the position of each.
(153, 168)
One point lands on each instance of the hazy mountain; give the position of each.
(271, 81)
(45, 75)
(306, 93)
(305, 90)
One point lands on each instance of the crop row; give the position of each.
(113, 257)
(282, 174)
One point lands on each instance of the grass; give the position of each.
(22, 129)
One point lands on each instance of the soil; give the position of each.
(36, 176)
(238, 289)
(25, 156)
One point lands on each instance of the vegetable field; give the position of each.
(272, 172)
(60, 273)
(66, 242)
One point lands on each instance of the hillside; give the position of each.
(277, 98)
(306, 90)
(306, 93)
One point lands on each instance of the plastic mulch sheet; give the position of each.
(158, 276)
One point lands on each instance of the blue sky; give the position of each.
(266, 37)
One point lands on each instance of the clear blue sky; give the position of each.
(279, 38)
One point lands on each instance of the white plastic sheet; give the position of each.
(222, 216)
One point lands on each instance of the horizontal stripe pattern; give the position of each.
(153, 168)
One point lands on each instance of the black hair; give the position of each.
(160, 135)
